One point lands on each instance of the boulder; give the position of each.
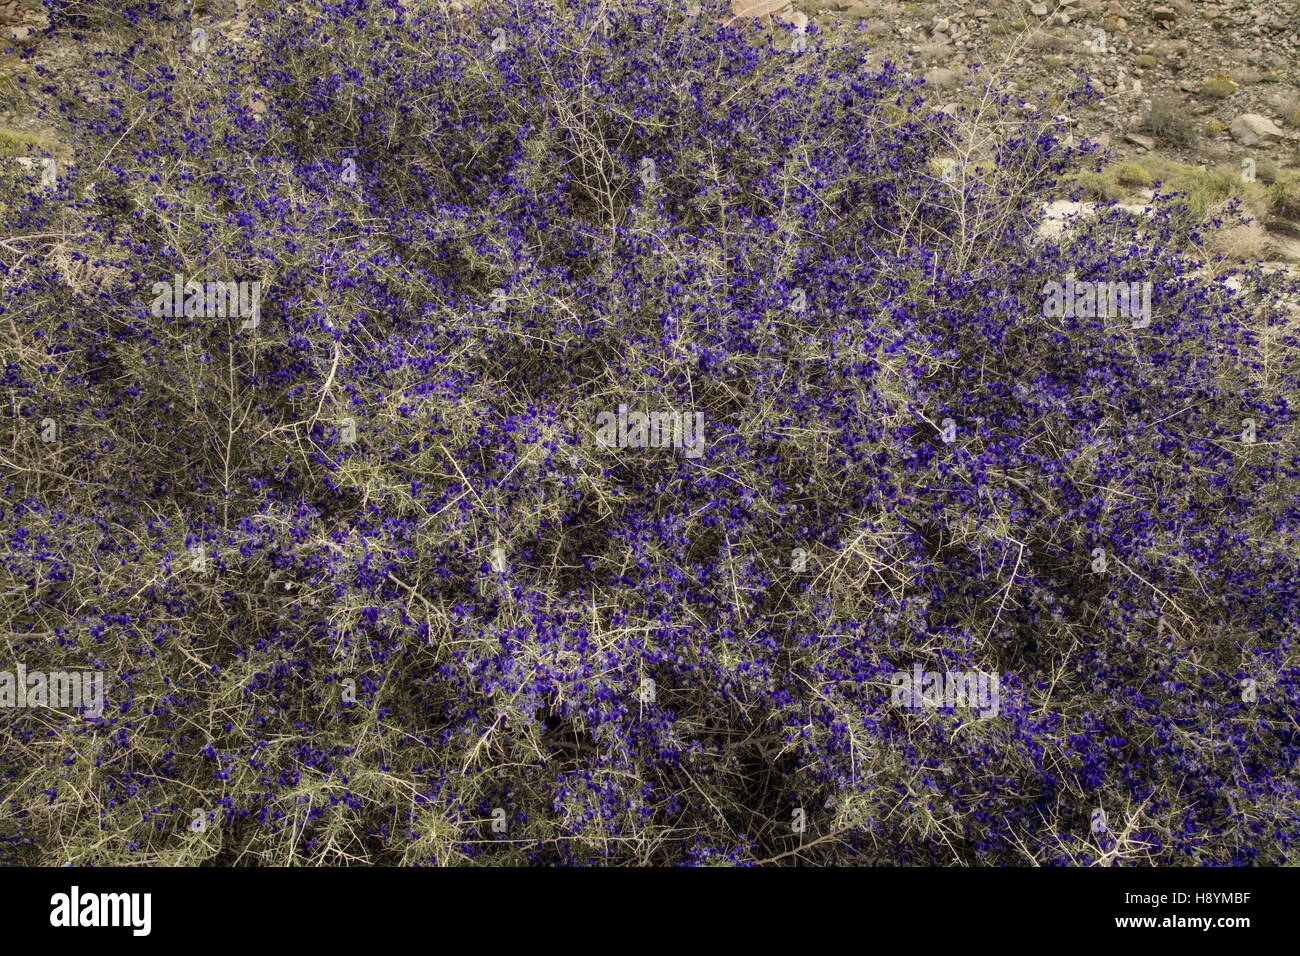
(1251, 129)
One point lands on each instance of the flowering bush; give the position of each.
(369, 585)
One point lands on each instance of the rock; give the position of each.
(1251, 129)
(1136, 209)
(756, 8)
(1164, 14)
(941, 78)
(1137, 139)
(1277, 99)
(1057, 216)
(935, 53)
(1064, 208)
(1039, 9)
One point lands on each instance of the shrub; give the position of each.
(1242, 242)
(1203, 189)
(1289, 111)
(115, 14)
(1131, 174)
(14, 142)
(1168, 120)
(1285, 194)
(1219, 87)
(368, 588)
(1101, 186)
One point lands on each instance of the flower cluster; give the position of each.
(368, 585)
